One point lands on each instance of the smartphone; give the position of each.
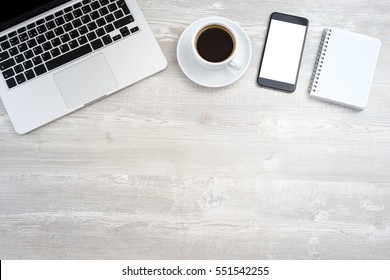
(282, 53)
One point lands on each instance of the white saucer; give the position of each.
(206, 77)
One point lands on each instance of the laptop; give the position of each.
(58, 56)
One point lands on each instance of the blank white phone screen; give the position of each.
(283, 51)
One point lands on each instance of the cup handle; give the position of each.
(235, 65)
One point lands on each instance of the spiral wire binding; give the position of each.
(320, 60)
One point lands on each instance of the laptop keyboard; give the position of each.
(62, 37)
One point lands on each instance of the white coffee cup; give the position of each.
(229, 58)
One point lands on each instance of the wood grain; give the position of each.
(167, 169)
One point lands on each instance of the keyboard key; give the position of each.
(67, 27)
(8, 73)
(65, 38)
(103, 11)
(22, 29)
(56, 42)
(12, 34)
(39, 70)
(77, 5)
(121, 3)
(91, 26)
(37, 50)
(7, 64)
(41, 39)
(59, 21)
(64, 48)
(49, 17)
(123, 21)
(68, 57)
(11, 83)
(32, 33)
(46, 56)
(74, 34)
(116, 37)
(73, 44)
(59, 31)
(50, 35)
(14, 41)
(107, 39)
(46, 46)
(41, 21)
(5, 45)
(28, 64)
(118, 14)
(55, 52)
(68, 9)
(109, 18)
(50, 25)
(28, 54)
(13, 51)
(100, 32)
(23, 37)
(77, 23)
(101, 22)
(109, 28)
(82, 40)
(4, 55)
(91, 36)
(41, 29)
(77, 13)
(95, 5)
(94, 15)
(85, 19)
(68, 17)
(59, 13)
(20, 79)
(97, 44)
(125, 10)
(37, 60)
(31, 25)
(18, 69)
(82, 30)
(29, 74)
(22, 47)
(134, 29)
(112, 7)
(86, 9)
(3, 38)
(124, 31)
(31, 43)
(19, 58)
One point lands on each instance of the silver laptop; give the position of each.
(57, 56)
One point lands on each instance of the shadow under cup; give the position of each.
(215, 43)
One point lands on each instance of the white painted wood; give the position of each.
(167, 169)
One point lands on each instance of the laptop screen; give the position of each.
(18, 10)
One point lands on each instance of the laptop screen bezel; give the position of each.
(30, 14)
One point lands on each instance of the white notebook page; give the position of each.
(348, 67)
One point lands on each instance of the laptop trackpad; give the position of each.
(86, 81)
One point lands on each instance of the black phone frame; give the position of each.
(274, 83)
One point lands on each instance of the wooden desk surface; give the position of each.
(167, 169)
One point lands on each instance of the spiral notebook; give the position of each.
(345, 68)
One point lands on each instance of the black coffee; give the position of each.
(215, 43)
